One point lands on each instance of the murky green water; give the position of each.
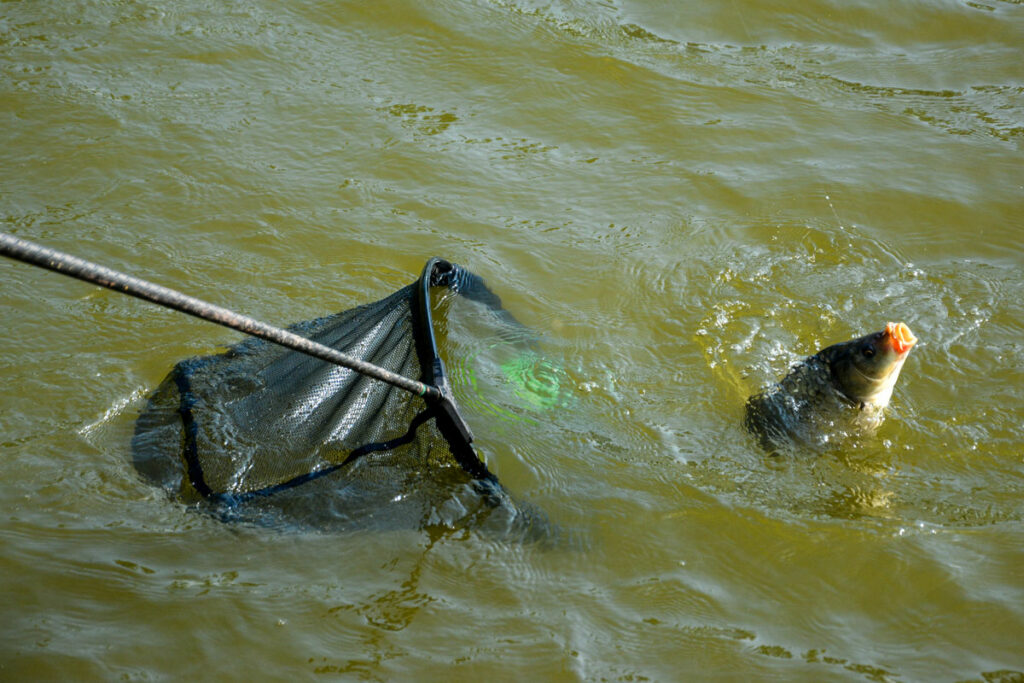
(682, 198)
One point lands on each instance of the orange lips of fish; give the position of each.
(902, 338)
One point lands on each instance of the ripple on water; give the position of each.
(942, 455)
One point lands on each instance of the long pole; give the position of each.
(72, 266)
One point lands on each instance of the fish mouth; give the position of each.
(902, 338)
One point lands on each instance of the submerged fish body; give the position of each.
(840, 391)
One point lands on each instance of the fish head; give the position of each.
(865, 370)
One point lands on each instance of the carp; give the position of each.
(840, 391)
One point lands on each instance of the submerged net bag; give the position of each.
(265, 433)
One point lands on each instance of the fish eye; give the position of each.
(868, 351)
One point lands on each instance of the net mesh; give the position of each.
(263, 430)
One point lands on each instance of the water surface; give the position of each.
(682, 199)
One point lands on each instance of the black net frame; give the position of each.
(196, 413)
(284, 410)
